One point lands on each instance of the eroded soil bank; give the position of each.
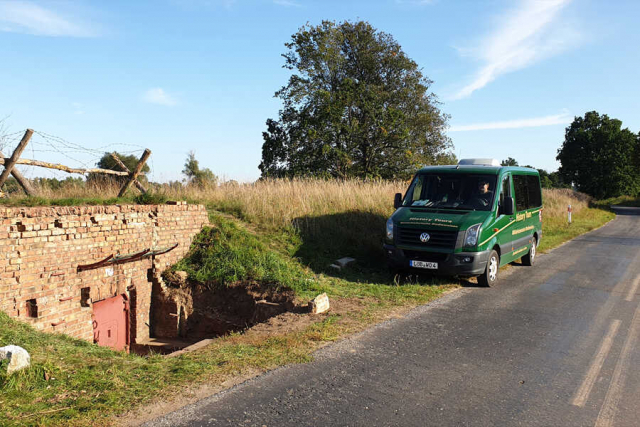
(184, 312)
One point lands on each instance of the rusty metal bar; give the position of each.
(162, 250)
(131, 257)
(95, 264)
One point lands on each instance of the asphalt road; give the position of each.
(551, 345)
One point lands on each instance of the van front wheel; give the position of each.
(530, 258)
(490, 274)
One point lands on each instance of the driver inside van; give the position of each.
(483, 196)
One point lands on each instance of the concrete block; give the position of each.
(343, 262)
(319, 304)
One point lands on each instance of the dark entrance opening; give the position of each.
(185, 314)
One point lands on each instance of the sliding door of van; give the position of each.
(528, 203)
(502, 224)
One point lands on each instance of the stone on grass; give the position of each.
(319, 304)
(343, 262)
(18, 357)
(335, 267)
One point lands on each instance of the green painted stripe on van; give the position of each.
(496, 233)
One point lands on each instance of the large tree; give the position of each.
(597, 156)
(355, 106)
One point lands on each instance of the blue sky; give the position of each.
(180, 75)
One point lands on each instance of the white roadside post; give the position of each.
(569, 213)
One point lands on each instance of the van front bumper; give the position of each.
(453, 264)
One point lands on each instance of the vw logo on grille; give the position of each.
(424, 237)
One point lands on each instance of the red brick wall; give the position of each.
(41, 248)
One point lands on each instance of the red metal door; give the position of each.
(110, 323)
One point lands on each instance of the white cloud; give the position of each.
(287, 3)
(558, 119)
(527, 34)
(29, 18)
(157, 95)
(77, 108)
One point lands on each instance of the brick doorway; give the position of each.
(111, 323)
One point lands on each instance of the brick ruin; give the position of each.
(41, 249)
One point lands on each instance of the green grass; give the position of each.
(72, 382)
(227, 253)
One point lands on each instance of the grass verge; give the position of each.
(556, 230)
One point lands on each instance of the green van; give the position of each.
(466, 220)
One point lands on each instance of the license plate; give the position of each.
(424, 264)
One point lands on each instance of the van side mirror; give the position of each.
(397, 201)
(507, 207)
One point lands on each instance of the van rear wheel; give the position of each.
(530, 257)
(490, 275)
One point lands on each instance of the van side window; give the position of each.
(522, 196)
(506, 189)
(533, 188)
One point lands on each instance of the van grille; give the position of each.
(443, 239)
(426, 256)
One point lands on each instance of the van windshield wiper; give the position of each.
(423, 207)
(465, 207)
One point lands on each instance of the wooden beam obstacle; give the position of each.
(10, 163)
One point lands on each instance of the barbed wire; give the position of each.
(47, 144)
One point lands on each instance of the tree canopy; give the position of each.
(355, 106)
(599, 157)
(510, 161)
(196, 176)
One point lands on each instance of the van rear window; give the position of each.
(533, 189)
(527, 189)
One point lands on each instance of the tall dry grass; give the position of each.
(86, 190)
(557, 200)
(278, 203)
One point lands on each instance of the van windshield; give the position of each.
(452, 191)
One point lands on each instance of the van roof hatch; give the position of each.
(479, 162)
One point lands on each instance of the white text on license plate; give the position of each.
(424, 264)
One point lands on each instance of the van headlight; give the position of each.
(390, 229)
(471, 236)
